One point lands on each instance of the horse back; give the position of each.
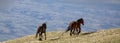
(73, 24)
(40, 29)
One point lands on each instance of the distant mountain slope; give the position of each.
(102, 36)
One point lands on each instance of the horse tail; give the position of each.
(68, 29)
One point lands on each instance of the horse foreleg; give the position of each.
(45, 35)
(40, 36)
(79, 30)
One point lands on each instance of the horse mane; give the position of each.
(81, 19)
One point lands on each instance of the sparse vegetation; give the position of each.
(102, 36)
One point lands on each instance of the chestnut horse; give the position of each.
(41, 30)
(75, 26)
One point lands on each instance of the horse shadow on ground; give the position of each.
(54, 39)
(87, 33)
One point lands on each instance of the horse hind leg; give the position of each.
(74, 31)
(71, 32)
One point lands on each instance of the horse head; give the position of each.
(44, 25)
(81, 21)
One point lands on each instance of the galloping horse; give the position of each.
(75, 26)
(41, 30)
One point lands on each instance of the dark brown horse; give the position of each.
(41, 30)
(75, 26)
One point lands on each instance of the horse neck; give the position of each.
(78, 23)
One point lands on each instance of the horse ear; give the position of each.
(81, 18)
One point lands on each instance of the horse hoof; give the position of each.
(71, 35)
(40, 39)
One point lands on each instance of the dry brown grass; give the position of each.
(103, 36)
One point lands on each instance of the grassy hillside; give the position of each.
(102, 36)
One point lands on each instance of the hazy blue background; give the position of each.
(22, 17)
